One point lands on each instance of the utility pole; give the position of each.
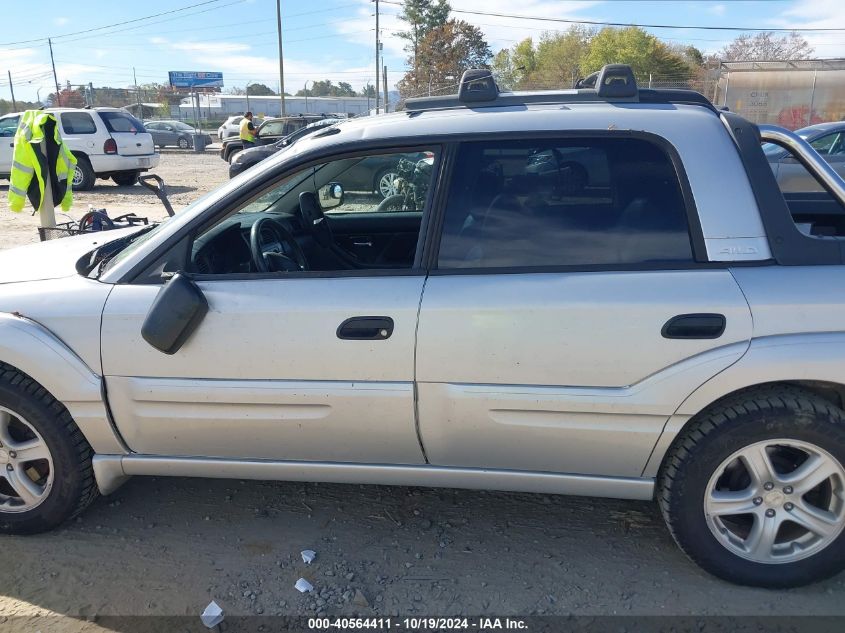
(55, 78)
(91, 89)
(281, 55)
(378, 65)
(12, 88)
(386, 101)
(137, 94)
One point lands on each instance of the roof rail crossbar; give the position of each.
(614, 83)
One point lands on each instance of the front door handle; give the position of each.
(365, 328)
(694, 326)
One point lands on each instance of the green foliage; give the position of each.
(632, 45)
(326, 88)
(260, 90)
(444, 54)
(6, 106)
(422, 17)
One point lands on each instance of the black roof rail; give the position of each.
(614, 83)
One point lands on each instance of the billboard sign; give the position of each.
(184, 79)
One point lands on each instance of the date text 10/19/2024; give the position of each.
(418, 624)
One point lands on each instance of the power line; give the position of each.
(108, 26)
(514, 16)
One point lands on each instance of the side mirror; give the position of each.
(331, 195)
(175, 313)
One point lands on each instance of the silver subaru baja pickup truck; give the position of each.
(599, 291)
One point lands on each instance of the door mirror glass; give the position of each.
(331, 195)
(175, 313)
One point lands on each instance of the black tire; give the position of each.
(183, 143)
(73, 485)
(125, 178)
(391, 203)
(755, 415)
(84, 177)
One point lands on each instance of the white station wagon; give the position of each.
(599, 291)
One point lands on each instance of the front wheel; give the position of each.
(45, 462)
(183, 143)
(385, 183)
(754, 490)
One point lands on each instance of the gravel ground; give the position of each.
(169, 546)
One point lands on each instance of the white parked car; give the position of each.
(107, 143)
(230, 127)
(642, 317)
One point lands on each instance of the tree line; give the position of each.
(440, 48)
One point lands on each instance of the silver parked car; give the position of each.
(174, 134)
(828, 139)
(659, 329)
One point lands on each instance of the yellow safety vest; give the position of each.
(29, 160)
(246, 133)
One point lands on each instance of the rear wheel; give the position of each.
(125, 178)
(84, 176)
(754, 491)
(45, 462)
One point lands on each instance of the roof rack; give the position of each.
(614, 83)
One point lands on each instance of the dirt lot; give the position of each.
(169, 546)
(188, 176)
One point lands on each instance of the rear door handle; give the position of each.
(365, 328)
(694, 326)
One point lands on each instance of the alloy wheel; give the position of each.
(26, 466)
(78, 177)
(776, 501)
(387, 184)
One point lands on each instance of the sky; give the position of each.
(330, 39)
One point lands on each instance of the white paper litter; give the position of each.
(308, 555)
(303, 585)
(212, 616)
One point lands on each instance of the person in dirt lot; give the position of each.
(247, 131)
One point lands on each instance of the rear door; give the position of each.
(79, 131)
(563, 325)
(128, 132)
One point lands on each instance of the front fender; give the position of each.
(33, 349)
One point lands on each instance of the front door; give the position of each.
(8, 127)
(277, 369)
(563, 324)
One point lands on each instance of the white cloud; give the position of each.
(500, 32)
(819, 14)
(60, 21)
(718, 9)
(211, 47)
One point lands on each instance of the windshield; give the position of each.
(122, 122)
(269, 199)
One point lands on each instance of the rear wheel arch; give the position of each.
(832, 392)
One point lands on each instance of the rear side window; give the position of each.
(78, 123)
(565, 202)
(122, 122)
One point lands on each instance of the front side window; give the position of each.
(274, 128)
(328, 217)
(78, 123)
(564, 202)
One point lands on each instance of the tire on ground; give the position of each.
(125, 178)
(73, 486)
(754, 415)
(86, 177)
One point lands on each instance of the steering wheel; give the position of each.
(274, 249)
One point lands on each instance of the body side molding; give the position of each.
(112, 470)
